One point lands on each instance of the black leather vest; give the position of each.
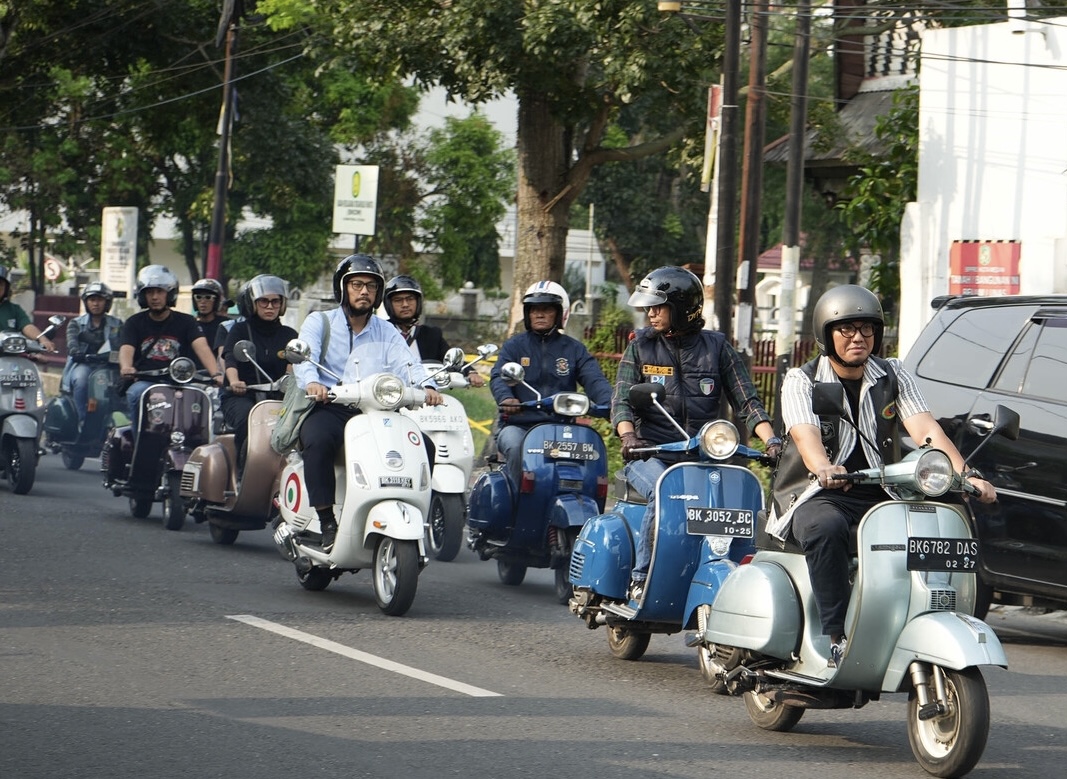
(792, 476)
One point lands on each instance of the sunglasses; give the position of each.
(205, 296)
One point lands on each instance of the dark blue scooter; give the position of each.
(705, 527)
(531, 517)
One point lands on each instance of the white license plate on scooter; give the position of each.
(404, 482)
(701, 521)
(942, 554)
(570, 450)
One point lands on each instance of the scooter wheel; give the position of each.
(20, 462)
(771, 715)
(72, 462)
(952, 742)
(627, 644)
(315, 579)
(223, 535)
(510, 574)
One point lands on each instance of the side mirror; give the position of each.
(642, 396)
(487, 350)
(513, 372)
(1006, 422)
(297, 351)
(244, 351)
(828, 399)
(56, 320)
(453, 358)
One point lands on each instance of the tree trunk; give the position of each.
(543, 201)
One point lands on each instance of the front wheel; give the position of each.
(444, 530)
(20, 462)
(627, 644)
(315, 579)
(715, 660)
(222, 535)
(564, 589)
(950, 743)
(173, 503)
(140, 506)
(72, 462)
(510, 574)
(771, 715)
(396, 575)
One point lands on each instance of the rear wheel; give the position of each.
(173, 503)
(315, 579)
(396, 575)
(444, 530)
(951, 743)
(510, 574)
(140, 506)
(222, 535)
(771, 715)
(72, 462)
(627, 644)
(20, 462)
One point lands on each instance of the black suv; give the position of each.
(974, 354)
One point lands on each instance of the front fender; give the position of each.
(448, 479)
(572, 510)
(177, 458)
(944, 638)
(396, 519)
(21, 426)
(705, 586)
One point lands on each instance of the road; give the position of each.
(130, 651)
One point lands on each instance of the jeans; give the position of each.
(509, 444)
(643, 475)
(79, 387)
(133, 400)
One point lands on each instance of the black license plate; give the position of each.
(942, 554)
(571, 450)
(700, 521)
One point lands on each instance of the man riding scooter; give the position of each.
(91, 339)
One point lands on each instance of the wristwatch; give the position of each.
(774, 441)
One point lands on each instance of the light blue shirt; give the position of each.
(379, 347)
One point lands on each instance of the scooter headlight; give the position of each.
(13, 344)
(182, 370)
(388, 391)
(933, 473)
(570, 404)
(719, 439)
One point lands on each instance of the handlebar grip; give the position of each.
(847, 476)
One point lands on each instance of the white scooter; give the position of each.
(448, 428)
(909, 622)
(382, 494)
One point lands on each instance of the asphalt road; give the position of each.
(130, 651)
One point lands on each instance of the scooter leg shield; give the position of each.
(757, 609)
(945, 638)
(61, 419)
(490, 504)
(603, 556)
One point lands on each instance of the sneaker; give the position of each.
(637, 590)
(329, 536)
(837, 651)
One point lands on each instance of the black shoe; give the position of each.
(329, 536)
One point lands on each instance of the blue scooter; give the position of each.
(530, 515)
(705, 526)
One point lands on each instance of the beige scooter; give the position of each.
(209, 478)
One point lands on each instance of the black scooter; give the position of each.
(75, 440)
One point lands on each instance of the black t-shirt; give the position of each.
(211, 328)
(269, 338)
(156, 344)
(857, 461)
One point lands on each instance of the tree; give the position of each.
(572, 64)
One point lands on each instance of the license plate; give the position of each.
(942, 554)
(700, 521)
(439, 422)
(404, 482)
(571, 450)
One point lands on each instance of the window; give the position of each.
(1048, 366)
(973, 345)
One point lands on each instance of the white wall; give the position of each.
(992, 158)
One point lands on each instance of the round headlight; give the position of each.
(933, 472)
(718, 439)
(182, 370)
(388, 390)
(570, 404)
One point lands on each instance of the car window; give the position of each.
(973, 345)
(1013, 375)
(1048, 366)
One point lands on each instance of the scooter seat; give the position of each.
(625, 491)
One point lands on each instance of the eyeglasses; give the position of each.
(866, 329)
(269, 302)
(204, 296)
(359, 286)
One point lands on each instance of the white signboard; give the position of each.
(118, 249)
(355, 199)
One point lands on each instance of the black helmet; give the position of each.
(5, 276)
(679, 289)
(156, 277)
(847, 303)
(403, 284)
(212, 287)
(356, 265)
(259, 287)
(100, 290)
(547, 293)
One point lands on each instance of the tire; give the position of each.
(715, 659)
(951, 744)
(173, 503)
(510, 574)
(769, 715)
(223, 535)
(444, 530)
(20, 462)
(564, 588)
(72, 462)
(140, 506)
(315, 580)
(983, 598)
(627, 644)
(396, 575)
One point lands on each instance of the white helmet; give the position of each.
(547, 292)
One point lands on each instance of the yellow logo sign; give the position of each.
(355, 184)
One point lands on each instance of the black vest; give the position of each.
(792, 477)
(688, 369)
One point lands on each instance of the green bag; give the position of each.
(296, 405)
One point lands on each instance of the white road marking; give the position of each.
(363, 657)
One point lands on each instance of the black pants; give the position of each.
(235, 410)
(322, 435)
(822, 526)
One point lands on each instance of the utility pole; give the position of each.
(793, 201)
(231, 13)
(727, 174)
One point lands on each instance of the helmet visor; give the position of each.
(645, 298)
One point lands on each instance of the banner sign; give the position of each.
(355, 199)
(118, 249)
(984, 268)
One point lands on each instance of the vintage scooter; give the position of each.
(209, 485)
(448, 428)
(75, 441)
(705, 525)
(175, 419)
(383, 492)
(909, 623)
(21, 407)
(531, 518)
